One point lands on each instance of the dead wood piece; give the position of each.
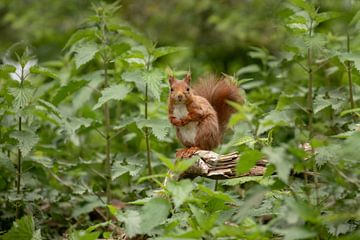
(215, 166)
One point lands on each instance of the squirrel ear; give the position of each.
(187, 78)
(171, 79)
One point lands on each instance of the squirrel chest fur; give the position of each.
(187, 132)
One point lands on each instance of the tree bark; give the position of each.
(216, 166)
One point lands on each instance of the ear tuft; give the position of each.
(171, 79)
(187, 78)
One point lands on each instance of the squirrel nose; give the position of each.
(180, 97)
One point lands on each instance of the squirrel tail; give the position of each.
(218, 92)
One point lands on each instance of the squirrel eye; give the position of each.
(171, 89)
(188, 89)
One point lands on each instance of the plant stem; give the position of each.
(147, 133)
(108, 140)
(18, 183)
(310, 84)
(348, 69)
(108, 162)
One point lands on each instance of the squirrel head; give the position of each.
(180, 90)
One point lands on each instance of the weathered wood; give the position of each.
(215, 166)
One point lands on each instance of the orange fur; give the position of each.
(200, 114)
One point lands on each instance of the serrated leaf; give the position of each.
(325, 16)
(321, 103)
(82, 34)
(86, 207)
(295, 232)
(43, 71)
(50, 107)
(303, 4)
(119, 169)
(23, 229)
(84, 52)
(71, 124)
(280, 159)
(7, 68)
(26, 140)
(132, 220)
(154, 213)
(352, 57)
(136, 36)
(67, 90)
(119, 48)
(180, 191)
(162, 51)
(298, 27)
(247, 160)
(115, 92)
(276, 119)
(159, 127)
(22, 97)
(153, 80)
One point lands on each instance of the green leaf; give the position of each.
(43, 71)
(352, 57)
(159, 127)
(153, 80)
(166, 161)
(22, 97)
(162, 51)
(276, 119)
(180, 191)
(356, 19)
(119, 49)
(67, 90)
(26, 140)
(345, 112)
(23, 229)
(253, 199)
(295, 232)
(7, 68)
(136, 36)
(325, 16)
(83, 235)
(248, 69)
(247, 160)
(119, 169)
(244, 140)
(84, 52)
(279, 158)
(114, 92)
(182, 165)
(132, 220)
(303, 4)
(50, 108)
(82, 34)
(154, 213)
(71, 124)
(304, 210)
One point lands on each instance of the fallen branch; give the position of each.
(216, 166)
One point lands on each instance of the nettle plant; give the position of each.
(21, 122)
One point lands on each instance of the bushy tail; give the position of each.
(218, 92)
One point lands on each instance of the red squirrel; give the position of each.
(201, 113)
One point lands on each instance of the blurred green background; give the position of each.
(218, 33)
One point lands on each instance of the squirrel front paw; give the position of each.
(176, 122)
